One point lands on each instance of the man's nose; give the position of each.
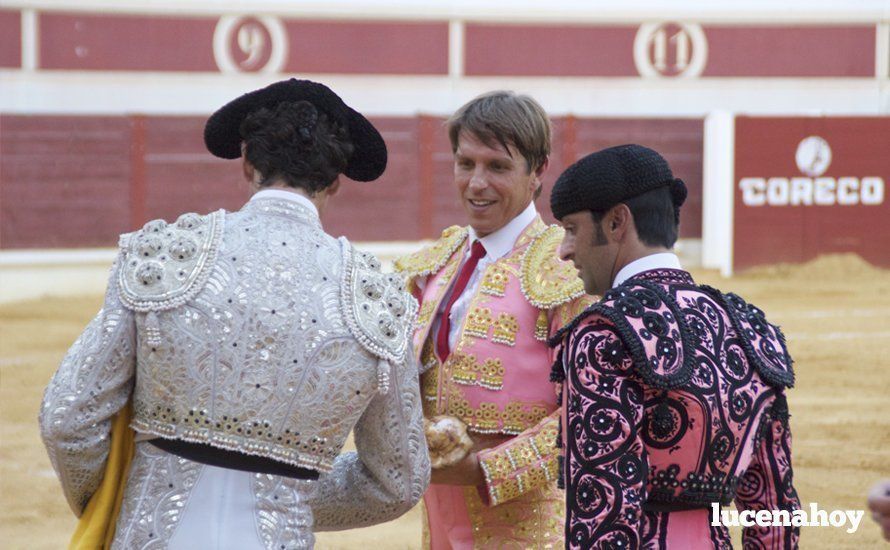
(566, 249)
(478, 179)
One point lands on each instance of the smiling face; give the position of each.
(585, 245)
(495, 184)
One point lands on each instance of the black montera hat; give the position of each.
(223, 138)
(603, 179)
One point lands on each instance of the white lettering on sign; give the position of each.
(802, 191)
(670, 50)
(241, 43)
(872, 191)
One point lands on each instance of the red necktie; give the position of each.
(476, 252)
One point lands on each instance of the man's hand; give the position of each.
(879, 503)
(465, 472)
(468, 471)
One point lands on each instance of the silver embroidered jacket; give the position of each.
(256, 332)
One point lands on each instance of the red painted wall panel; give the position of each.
(10, 39)
(679, 140)
(385, 209)
(540, 50)
(125, 42)
(780, 219)
(789, 51)
(167, 43)
(63, 181)
(367, 48)
(80, 181)
(181, 176)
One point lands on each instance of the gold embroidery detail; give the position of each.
(492, 374)
(497, 468)
(429, 380)
(428, 357)
(487, 418)
(429, 383)
(466, 370)
(478, 322)
(495, 281)
(576, 308)
(507, 490)
(544, 442)
(505, 329)
(546, 280)
(447, 274)
(426, 313)
(430, 259)
(551, 470)
(532, 479)
(522, 456)
(542, 326)
(533, 520)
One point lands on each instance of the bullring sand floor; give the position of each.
(835, 312)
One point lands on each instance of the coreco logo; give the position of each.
(813, 157)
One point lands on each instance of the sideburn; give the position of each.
(600, 239)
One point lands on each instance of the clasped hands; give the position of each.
(453, 454)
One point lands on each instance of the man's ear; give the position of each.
(539, 171)
(619, 221)
(248, 170)
(536, 181)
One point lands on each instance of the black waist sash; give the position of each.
(233, 460)
(650, 506)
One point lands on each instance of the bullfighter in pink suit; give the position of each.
(673, 392)
(491, 295)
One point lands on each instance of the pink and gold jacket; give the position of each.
(674, 399)
(496, 379)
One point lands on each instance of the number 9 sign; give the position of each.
(246, 44)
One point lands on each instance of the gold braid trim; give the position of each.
(432, 258)
(546, 280)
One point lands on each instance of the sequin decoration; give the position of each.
(546, 280)
(467, 370)
(495, 280)
(431, 259)
(542, 326)
(164, 265)
(488, 417)
(478, 322)
(505, 329)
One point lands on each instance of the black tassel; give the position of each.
(662, 422)
(779, 409)
(561, 479)
(557, 371)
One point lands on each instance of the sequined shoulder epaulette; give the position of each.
(165, 265)
(655, 328)
(378, 310)
(546, 280)
(432, 258)
(763, 342)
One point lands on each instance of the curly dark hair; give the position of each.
(296, 143)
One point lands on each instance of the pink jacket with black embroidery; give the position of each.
(673, 399)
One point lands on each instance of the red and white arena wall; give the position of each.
(768, 110)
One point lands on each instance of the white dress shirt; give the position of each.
(497, 245)
(661, 260)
